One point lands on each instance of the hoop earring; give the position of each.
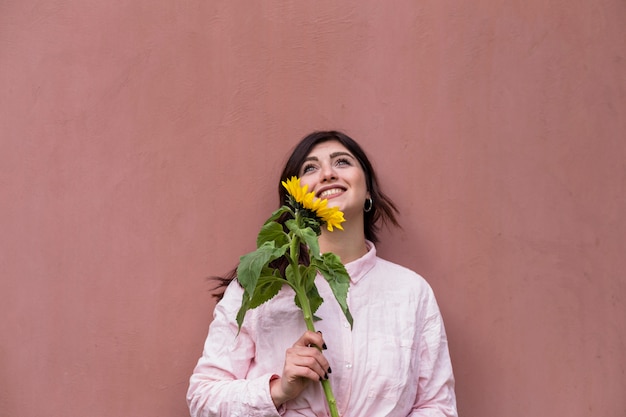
(368, 207)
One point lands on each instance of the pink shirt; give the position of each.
(394, 362)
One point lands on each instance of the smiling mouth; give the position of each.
(331, 192)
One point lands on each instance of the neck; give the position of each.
(348, 244)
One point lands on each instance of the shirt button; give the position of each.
(348, 366)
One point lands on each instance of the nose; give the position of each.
(328, 173)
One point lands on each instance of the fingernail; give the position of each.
(319, 332)
(330, 371)
(324, 346)
(325, 376)
(320, 379)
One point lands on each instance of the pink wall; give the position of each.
(141, 141)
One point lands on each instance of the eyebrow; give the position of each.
(332, 155)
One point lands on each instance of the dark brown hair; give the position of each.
(383, 210)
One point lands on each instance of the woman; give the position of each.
(393, 362)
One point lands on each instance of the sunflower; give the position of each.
(332, 216)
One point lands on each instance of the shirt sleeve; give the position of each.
(218, 386)
(435, 393)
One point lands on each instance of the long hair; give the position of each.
(383, 210)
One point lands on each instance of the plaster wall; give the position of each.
(140, 147)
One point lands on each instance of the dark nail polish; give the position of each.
(320, 379)
(325, 376)
(324, 346)
(330, 371)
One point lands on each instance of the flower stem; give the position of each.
(294, 252)
(308, 319)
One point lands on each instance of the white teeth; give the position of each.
(330, 192)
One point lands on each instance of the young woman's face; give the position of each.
(332, 172)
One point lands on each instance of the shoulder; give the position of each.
(399, 274)
(400, 283)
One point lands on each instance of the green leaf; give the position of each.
(245, 306)
(308, 275)
(251, 264)
(267, 287)
(315, 300)
(272, 231)
(338, 279)
(290, 274)
(308, 288)
(314, 224)
(292, 225)
(307, 235)
(275, 215)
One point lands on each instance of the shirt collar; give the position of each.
(358, 268)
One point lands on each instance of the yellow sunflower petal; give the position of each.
(332, 216)
(293, 187)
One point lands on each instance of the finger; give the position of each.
(310, 339)
(309, 367)
(306, 357)
(306, 372)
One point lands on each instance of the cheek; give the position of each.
(307, 181)
(363, 185)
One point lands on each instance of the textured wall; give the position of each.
(141, 142)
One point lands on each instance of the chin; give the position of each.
(337, 204)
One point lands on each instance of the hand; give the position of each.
(304, 362)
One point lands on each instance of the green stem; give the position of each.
(308, 319)
(294, 252)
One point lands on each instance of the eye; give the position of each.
(307, 168)
(343, 162)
